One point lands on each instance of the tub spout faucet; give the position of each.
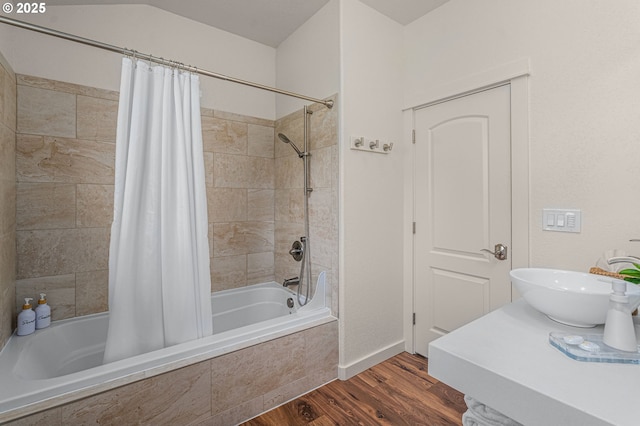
(291, 281)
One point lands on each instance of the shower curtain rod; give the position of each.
(326, 102)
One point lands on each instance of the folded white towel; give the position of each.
(470, 419)
(479, 414)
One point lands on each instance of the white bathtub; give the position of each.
(63, 363)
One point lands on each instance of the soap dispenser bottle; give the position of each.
(26, 319)
(43, 313)
(619, 331)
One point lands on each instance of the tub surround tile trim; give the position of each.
(58, 403)
(180, 396)
(237, 414)
(241, 376)
(51, 417)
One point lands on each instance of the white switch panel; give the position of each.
(561, 220)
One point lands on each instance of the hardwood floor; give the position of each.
(396, 392)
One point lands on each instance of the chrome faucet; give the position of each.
(291, 281)
(623, 259)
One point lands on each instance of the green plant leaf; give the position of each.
(631, 272)
(632, 280)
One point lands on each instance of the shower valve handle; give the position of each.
(297, 251)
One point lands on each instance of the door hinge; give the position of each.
(414, 318)
(413, 136)
(414, 227)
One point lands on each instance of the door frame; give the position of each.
(516, 74)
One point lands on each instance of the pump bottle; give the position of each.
(26, 318)
(619, 331)
(43, 313)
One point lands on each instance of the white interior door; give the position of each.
(462, 205)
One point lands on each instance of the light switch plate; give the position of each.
(562, 220)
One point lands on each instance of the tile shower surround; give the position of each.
(64, 170)
(65, 154)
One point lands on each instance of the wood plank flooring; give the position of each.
(395, 392)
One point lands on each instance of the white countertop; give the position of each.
(505, 361)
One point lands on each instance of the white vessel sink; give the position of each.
(573, 298)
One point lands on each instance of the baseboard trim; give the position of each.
(348, 371)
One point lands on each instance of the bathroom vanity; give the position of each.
(505, 361)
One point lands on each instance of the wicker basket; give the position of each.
(600, 271)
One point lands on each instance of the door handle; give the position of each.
(499, 251)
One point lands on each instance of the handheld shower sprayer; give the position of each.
(285, 139)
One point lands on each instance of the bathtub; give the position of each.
(63, 363)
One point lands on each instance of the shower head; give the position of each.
(286, 140)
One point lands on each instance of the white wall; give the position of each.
(148, 30)
(584, 106)
(349, 48)
(308, 61)
(371, 198)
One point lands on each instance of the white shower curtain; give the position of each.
(159, 282)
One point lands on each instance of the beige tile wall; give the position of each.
(65, 155)
(323, 201)
(65, 149)
(240, 197)
(7, 200)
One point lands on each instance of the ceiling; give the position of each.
(265, 21)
